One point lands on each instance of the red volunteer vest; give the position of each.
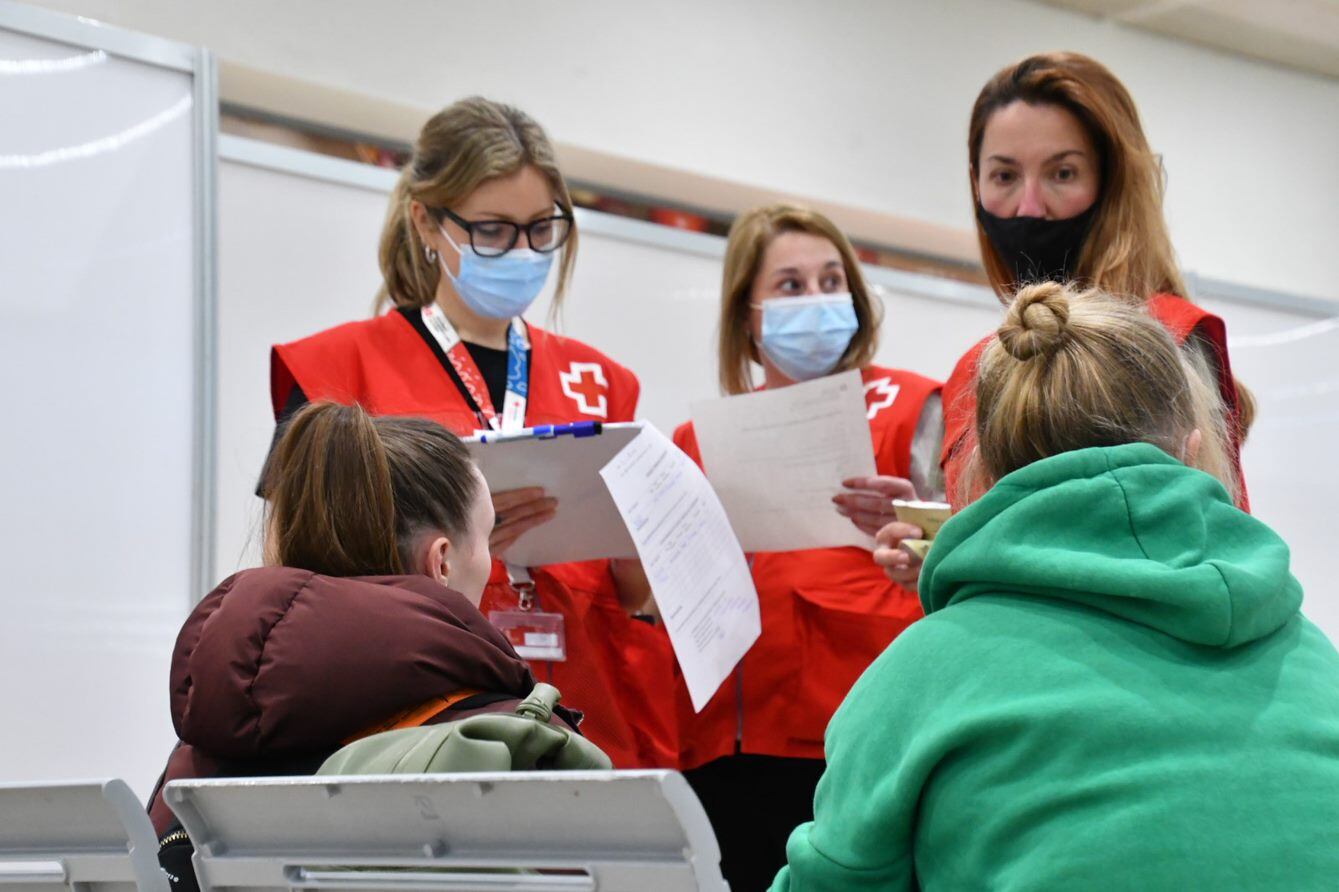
(613, 661)
(1179, 316)
(826, 614)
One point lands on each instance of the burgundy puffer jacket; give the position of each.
(277, 668)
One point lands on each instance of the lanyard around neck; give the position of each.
(476, 389)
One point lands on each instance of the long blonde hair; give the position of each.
(1072, 369)
(459, 148)
(750, 235)
(1128, 250)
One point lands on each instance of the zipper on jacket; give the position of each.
(178, 835)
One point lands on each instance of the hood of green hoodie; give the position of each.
(1128, 530)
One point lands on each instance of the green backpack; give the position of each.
(523, 741)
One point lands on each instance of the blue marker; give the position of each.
(544, 432)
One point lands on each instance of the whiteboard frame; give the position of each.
(270, 156)
(200, 64)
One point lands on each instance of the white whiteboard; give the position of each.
(298, 253)
(101, 306)
(1290, 458)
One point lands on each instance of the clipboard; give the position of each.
(588, 525)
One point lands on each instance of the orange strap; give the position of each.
(415, 716)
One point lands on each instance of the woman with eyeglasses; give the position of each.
(475, 224)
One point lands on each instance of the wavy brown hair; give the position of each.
(750, 235)
(1128, 250)
(459, 148)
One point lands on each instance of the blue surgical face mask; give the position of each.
(805, 337)
(499, 287)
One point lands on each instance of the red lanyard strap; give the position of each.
(476, 389)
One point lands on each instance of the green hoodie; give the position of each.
(1113, 689)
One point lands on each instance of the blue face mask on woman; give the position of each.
(499, 287)
(805, 337)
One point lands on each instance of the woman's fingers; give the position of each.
(523, 512)
(869, 504)
(865, 502)
(883, 485)
(503, 537)
(509, 525)
(870, 513)
(892, 534)
(867, 522)
(899, 566)
(511, 498)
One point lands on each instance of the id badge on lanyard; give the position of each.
(476, 389)
(534, 633)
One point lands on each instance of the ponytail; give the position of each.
(351, 494)
(332, 510)
(408, 277)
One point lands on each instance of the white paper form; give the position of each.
(777, 457)
(696, 567)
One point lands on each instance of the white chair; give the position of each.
(91, 836)
(620, 831)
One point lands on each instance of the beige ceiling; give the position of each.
(1298, 33)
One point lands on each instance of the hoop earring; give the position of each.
(429, 254)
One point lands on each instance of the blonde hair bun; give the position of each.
(1109, 374)
(1037, 323)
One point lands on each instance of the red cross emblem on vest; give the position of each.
(585, 385)
(879, 395)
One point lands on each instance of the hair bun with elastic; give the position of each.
(1037, 323)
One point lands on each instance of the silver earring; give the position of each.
(429, 254)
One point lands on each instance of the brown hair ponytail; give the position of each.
(350, 493)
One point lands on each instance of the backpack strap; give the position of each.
(415, 716)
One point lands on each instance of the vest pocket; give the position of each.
(837, 639)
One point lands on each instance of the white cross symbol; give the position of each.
(587, 392)
(885, 392)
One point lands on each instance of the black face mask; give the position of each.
(1035, 248)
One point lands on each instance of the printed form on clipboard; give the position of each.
(626, 491)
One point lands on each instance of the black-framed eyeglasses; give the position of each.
(493, 238)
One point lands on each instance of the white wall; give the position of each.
(97, 324)
(862, 102)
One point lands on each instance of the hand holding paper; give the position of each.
(777, 457)
(518, 510)
(566, 470)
